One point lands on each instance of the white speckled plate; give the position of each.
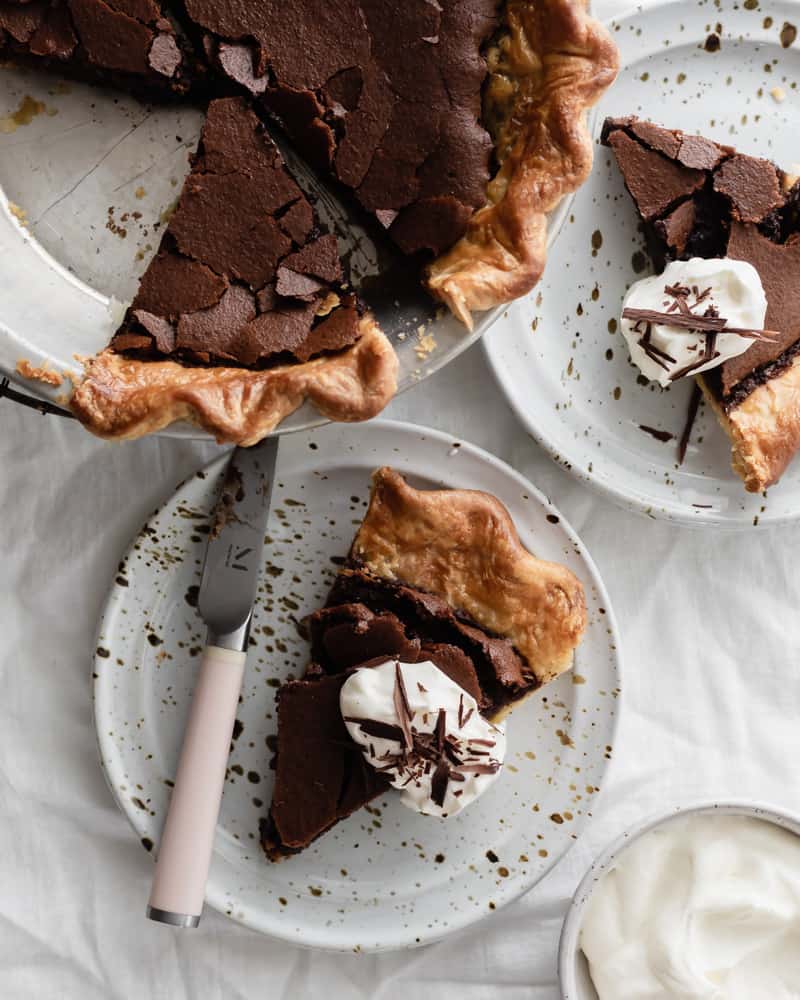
(558, 356)
(386, 877)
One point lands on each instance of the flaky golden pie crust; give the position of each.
(558, 62)
(764, 428)
(462, 546)
(122, 397)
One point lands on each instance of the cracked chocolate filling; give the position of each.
(698, 198)
(384, 97)
(244, 273)
(136, 45)
(392, 101)
(320, 773)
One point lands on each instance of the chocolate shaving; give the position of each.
(441, 729)
(491, 768)
(693, 323)
(422, 688)
(656, 433)
(694, 404)
(461, 711)
(483, 743)
(402, 707)
(374, 727)
(439, 782)
(468, 716)
(655, 353)
(702, 360)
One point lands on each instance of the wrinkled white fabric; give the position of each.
(711, 699)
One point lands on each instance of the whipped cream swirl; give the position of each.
(730, 288)
(424, 732)
(703, 906)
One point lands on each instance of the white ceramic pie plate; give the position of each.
(84, 188)
(566, 374)
(386, 877)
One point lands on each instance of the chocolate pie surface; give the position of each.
(432, 575)
(698, 198)
(135, 45)
(455, 126)
(242, 313)
(388, 99)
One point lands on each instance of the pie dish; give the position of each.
(389, 104)
(698, 198)
(432, 575)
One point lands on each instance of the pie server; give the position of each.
(225, 601)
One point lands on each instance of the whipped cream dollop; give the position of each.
(732, 288)
(706, 905)
(424, 732)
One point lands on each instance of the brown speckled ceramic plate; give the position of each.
(387, 877)
(728, 70)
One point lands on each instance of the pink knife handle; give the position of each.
(184, 854)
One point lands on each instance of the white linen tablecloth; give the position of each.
(711, 642)
(710, 708)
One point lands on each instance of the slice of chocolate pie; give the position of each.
(433, 577)
(698, 198)
(244, 312)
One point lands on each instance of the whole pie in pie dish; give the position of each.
(436, 585)
(701, 200)
(455, 127)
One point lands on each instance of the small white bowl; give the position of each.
(573, 969)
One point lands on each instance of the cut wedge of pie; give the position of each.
(437, 576)
(453, 126)
(698, 198)
(242, 314)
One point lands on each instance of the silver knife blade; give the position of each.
(385, 279)
(233, 556)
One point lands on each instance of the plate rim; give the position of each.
(315, 937)
(670, 511)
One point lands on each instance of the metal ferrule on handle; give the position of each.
(184, 854)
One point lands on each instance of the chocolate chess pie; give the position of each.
(455, 126)
(436, 578)
(242, 313)
(701, 199)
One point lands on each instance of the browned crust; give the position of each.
(462, 546)
(572, 60)
(764, 428)
(41, 374)
(122, 397)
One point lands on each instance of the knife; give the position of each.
(225, 602)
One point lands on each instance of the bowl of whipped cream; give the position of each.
(701, 903)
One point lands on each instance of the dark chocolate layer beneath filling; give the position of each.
(698, 198)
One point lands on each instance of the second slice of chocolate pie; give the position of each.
(698, 198)
(432, 575)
